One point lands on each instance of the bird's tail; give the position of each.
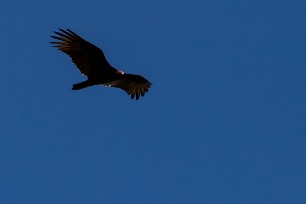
(81, 85)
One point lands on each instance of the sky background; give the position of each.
(224, 121)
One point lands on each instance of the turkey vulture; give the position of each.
(92, 63)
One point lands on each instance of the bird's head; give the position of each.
(120, 72)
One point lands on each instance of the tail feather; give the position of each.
(81, 85)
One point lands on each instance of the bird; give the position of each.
(91, 62)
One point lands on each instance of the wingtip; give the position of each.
(61, 29)
(132, 96)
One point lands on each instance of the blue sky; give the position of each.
(224, 121)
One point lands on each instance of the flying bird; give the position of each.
(92, 63)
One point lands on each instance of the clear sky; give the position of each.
(224, 121)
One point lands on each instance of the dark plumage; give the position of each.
(92, 63)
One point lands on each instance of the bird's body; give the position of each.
(92, 63)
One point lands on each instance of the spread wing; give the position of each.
(134, 85)
(88, 58)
